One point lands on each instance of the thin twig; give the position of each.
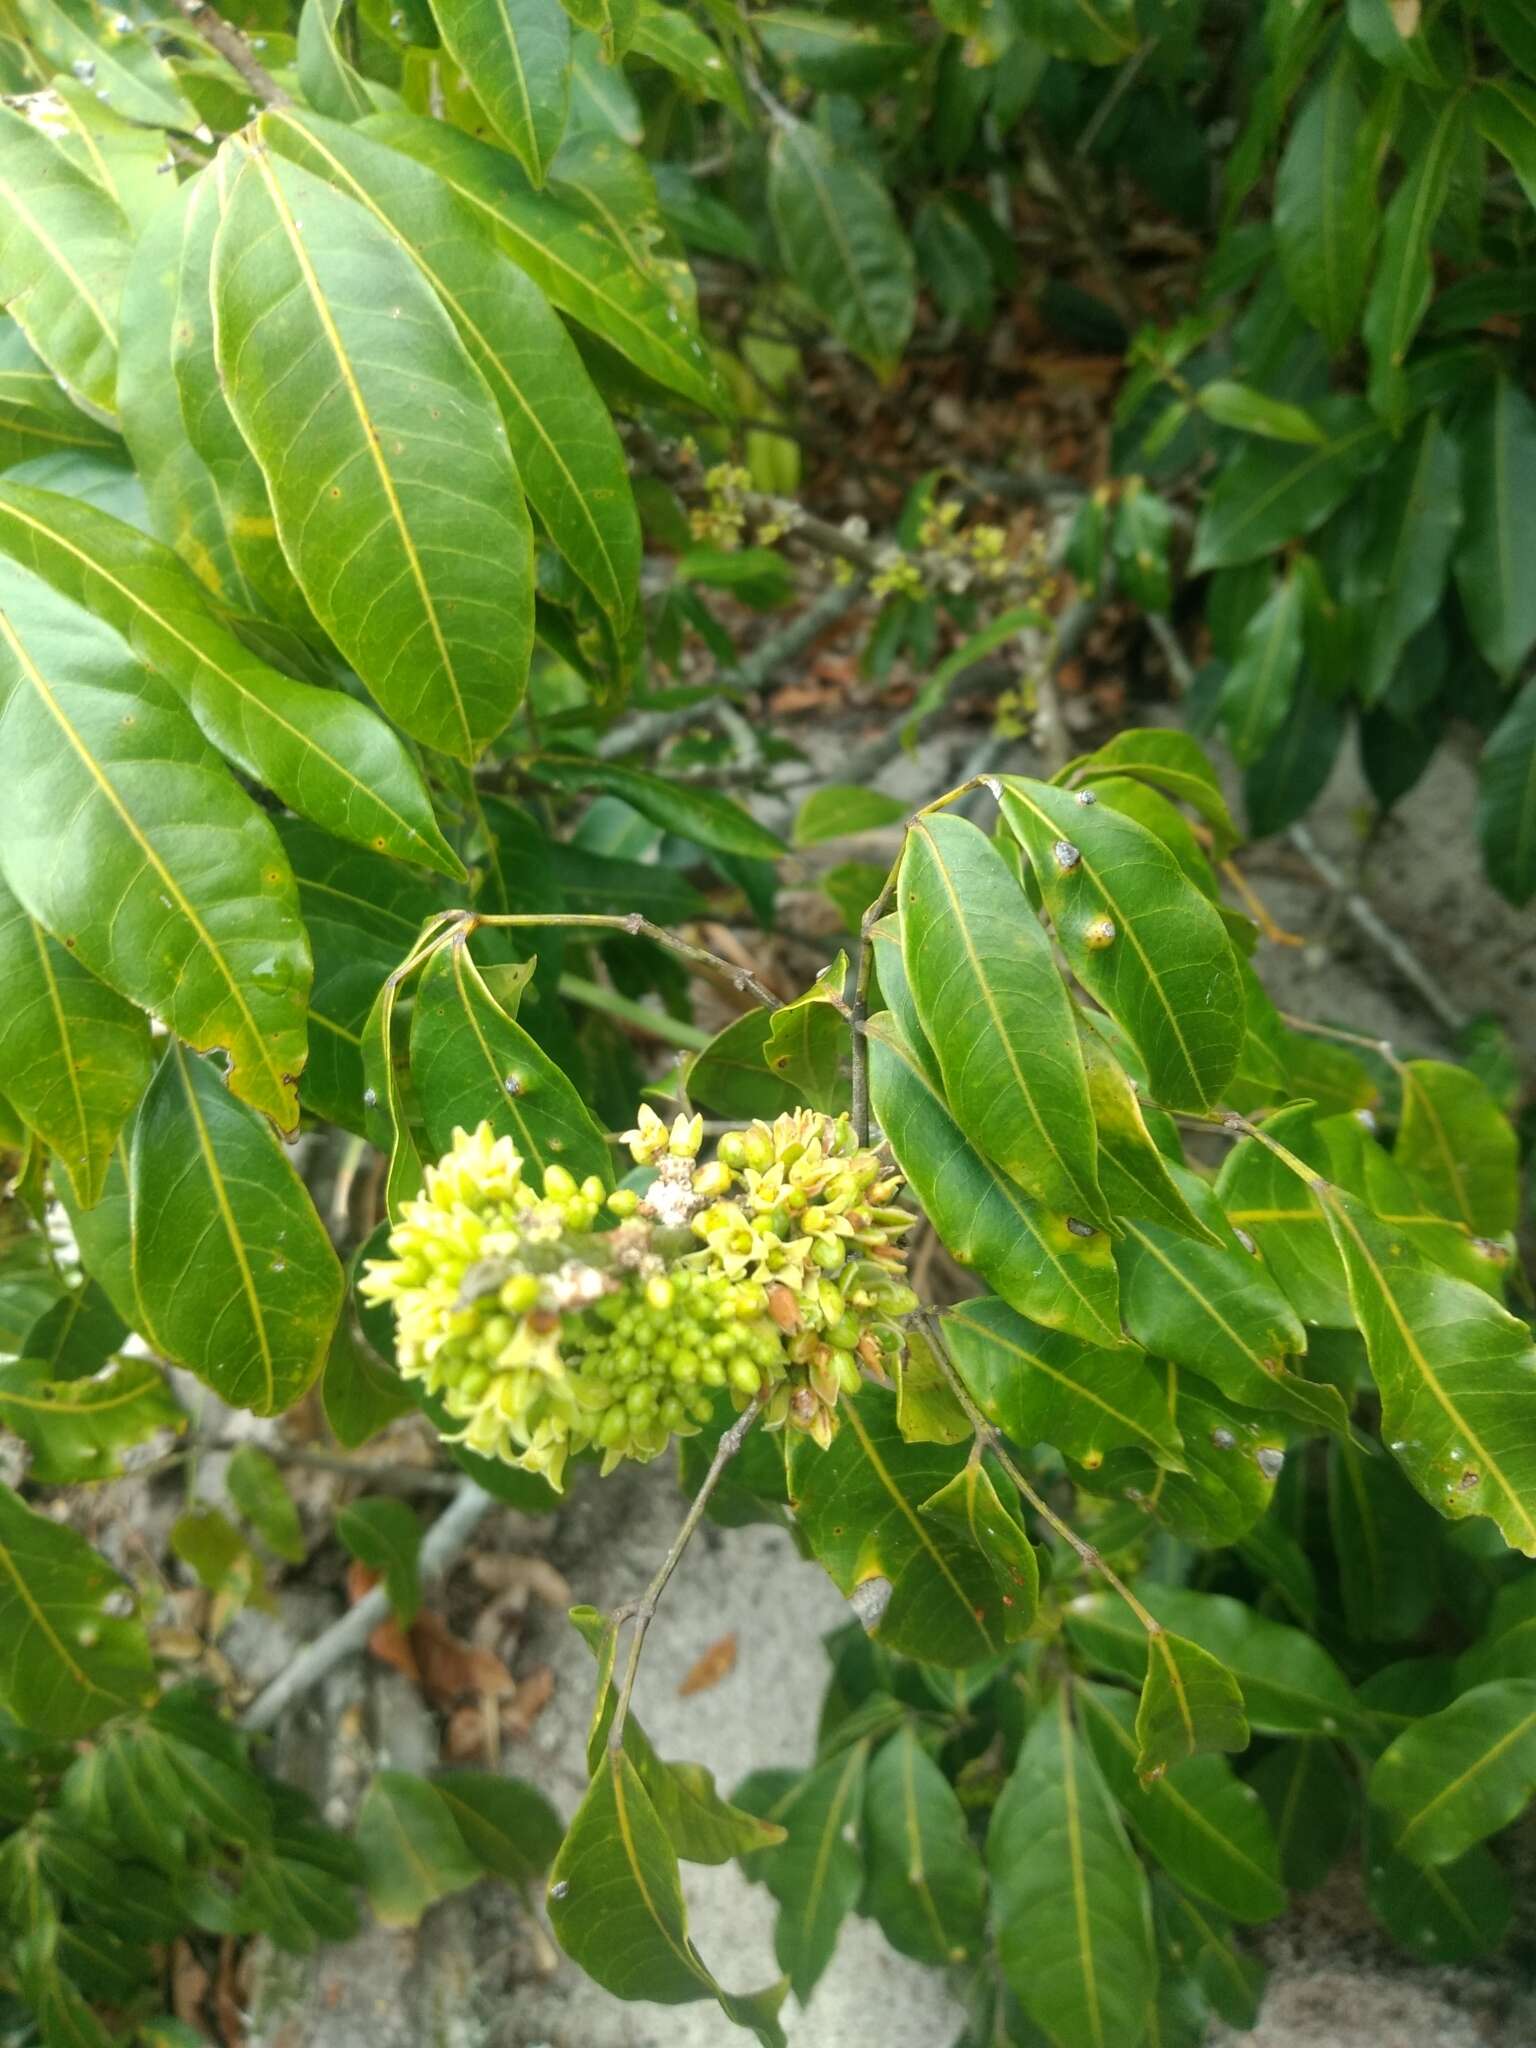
(235, 50)
(990, 1439)
(637, 927)
(441, 1546)
(643, 1611)
(1382, 1047)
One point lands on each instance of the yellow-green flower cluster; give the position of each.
(773, 1269)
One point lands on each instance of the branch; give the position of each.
(643, 1611)
(235, 50)
(990, 1439)
(698, 957)
(344, 1638)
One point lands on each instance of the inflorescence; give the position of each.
(574, 1318)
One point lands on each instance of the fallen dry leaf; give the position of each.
(189, 1983)
(500, 1573)
(717, 1662)
(468, 1735)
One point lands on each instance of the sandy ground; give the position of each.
(479, 1974)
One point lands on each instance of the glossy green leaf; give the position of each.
(668, 36)
(233, 1272)
(568, 455)
(36, 416)
(471, 1062)
(518, 54)
(1387, 1544)
(120, 56)
(70, 1658)
(1039, 1266)
(413, 1852)
(257, 1488)
(1454, 1370)
(1440, 1913)
(1413, 511)
(970, 1506)
(1226, 1478)
(1271, 493)
(1506, 1647)
(926, 1885)
(323, 320)
(1138, 935)
(858, 1507)
(1190, 1705)
(1172, 762)
(1276, 1208)
(616, 1904)
(63, 256)
(1240, 406)
(1230, 1980)
(358, 1391)
(997, 1014)
(1458, 1146)
(646, 314)
(78, 1429)
(1506, 808)
(807, 1041)
(1325, 215)
(1132, 1171)
(1498, 439)
(74, 1057)
(509, 1825)
(201, 927)
(1045, 1386)
(1400, 291)
(322, 752)
(1261, 683)
(76, 1335)
(1505, 114)
(817, 1872)
(1204, 1825)
(732, 1076)
(702, 815)
(836, 811)
(1455, 1777)
(384, 1535)
(842, 242)
(1290, 1685)
(331, 82)
(1311, 1799)
(1070, 1900)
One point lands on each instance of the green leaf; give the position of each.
(1039, 1266)
(1070, 1901)
(732, 1076)
(807, 1038)
(324, 322)
(1387, 1543)
(1190, 1705)
(817, 1872)
(1226, 1481)
(567, 452)
(1249, 412)
(76, 1335)
(1139, 543)
(1506, 807)
(1459, 1147)
(858, 1505)
(413, 1852)
(1413, 515)
(970, 1505)
(1311, 1800)
(1498, 448)
(1271, 493)
(330, 82)
(926, 1885)
(1172, 762)
(1454, 1371)
(1404, 281)
(74, 1057)
(71, 1657)
(359, 1393)
(257, 1488)
(63, 256)
(1445, 1913)
(975, 647)
(384, 1535)
(1230, 1981)
(841, 242)
(1132, 1171)
(836, 811)
(668, 37)
(77, 1429)
(36, 416)
(997, 1014)
(197, 922)
(233, 1272)
(517, 52)
(326, 755)
(1325, 215)
(1204, 1825)
(471, 1062)
(1290, 1685)
(1504, 112)
(927, 1411)
(123, 63)
(1259, 687)
(702, 815)
(833, 54)
(511, 1827)
(1139, 936)
(616, 1904)
(1453, 1778)
(1045, 1386)
(1277, 1209)
(646, 314)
